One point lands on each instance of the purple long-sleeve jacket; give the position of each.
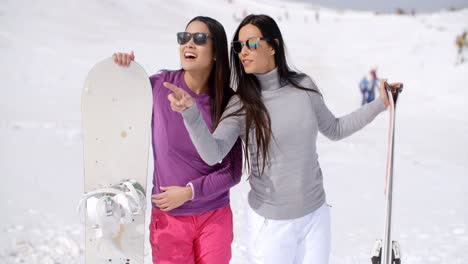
(177, 162)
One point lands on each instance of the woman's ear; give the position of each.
(273, 51)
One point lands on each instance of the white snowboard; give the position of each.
(116, 119)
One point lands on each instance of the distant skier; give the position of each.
(368, 85)
(461, 44)
(363, 87)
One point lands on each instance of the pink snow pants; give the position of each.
(200, 239)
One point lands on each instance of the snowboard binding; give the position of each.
(109, 209)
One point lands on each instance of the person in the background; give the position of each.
(278, 113)
(364, 87)
(368, 85)
(191, 220)
(461, 44)
(373, 85)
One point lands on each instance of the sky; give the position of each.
(387, 6)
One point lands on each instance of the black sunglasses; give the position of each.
(199, 38)
(251, 43)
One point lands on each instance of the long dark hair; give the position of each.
(249, 90)
(218, 82)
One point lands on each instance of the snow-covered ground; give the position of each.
(47, 47)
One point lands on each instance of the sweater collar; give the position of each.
(269, 81)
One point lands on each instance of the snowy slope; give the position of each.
(47, 47)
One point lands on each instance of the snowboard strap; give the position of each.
(136, 195)
(108, 208)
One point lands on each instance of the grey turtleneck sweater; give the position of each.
(292, 183)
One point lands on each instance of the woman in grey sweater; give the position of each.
(277, 113)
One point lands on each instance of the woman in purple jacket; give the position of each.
(191, 220)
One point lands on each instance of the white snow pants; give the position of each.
(294, 241)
